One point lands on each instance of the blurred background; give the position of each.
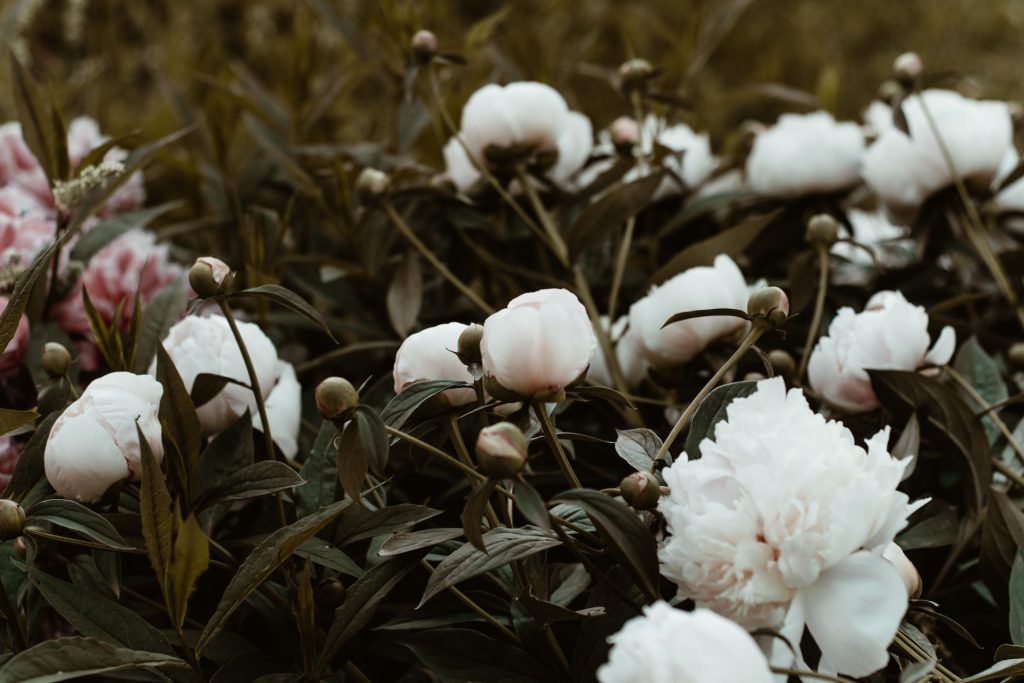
(132, 64)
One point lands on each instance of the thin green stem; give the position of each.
(757, 329)
(548, 427)
(620, 267)
(480, 611)
(602, 333)
(436, 452)
(557, 244)
(190, 656)
(451, 425)
(437, 264)
(819, 309)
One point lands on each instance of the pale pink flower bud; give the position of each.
(207, 276)
(501, 450)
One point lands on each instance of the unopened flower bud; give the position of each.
(331, 593)
(208, 276)
(907, 69)
(1016, 354)
(12, 519)
(372, 185)
(782, 362)
(625, 132)
(905, 568)
(635, 74)
(822, 230)
(640, 490)
(754, 377)
(889, 91)
(469, 344)
(770, 303)
(56, 360)
(501, 450)
(424, 46)
(21, 547)
(334, 396)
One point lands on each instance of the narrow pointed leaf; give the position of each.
(65, 659)
(77, 517)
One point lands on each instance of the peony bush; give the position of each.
(509, 386)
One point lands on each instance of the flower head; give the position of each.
(430, 354)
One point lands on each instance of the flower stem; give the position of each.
(819, 309)
(620, 267)
(440, 267)
(436, 452)
(555, 445)
(753, 335)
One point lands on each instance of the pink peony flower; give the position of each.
(132, 261)
(25, 228)
(16, 348)
(18, 166)
(10, 451)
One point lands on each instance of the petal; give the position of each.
(945, 345)
(853, 611)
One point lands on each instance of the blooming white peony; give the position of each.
(94, 443)
(782, 524)
(905, 170)
(890, 244)
(541, 343)
(632, 363)
(525, 114)
(668, 645)
(718, 286)
(889, 334)
(199, 345)
(430, 354)
(805, 154)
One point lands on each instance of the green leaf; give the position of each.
(37, 123)
(182, 430)
(68, 658)
(983, 373)
(473, 512)
(359, 523)
(637, 447)
(155, 510)
(531, 504)
(257, 479)
(1000, 670)
(407, 541)
(110, 229)
(320, 473)
(401, 407)
(206, 386)
(95, 616)
(77, 517)
(23, 287)
(13, 420)
(30, 466)
(191, 557)
(157, 318)
(608, 213)
(1017, 600)
(363, 446)
(706, 313)
(325, 554)
(288, 299)
(461, 654)
(263, 561)
(711, 411)
(361, 601)
(631, 543)
(503, 545)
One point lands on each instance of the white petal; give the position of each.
(945, 345)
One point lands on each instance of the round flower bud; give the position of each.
(907, 69)
(335, 396)
(208, 276)
(469, 344)
(635, 73)
(640, 490)
(889, 91)
(12, 519)
(501, 450)
(1016, 354)
(822, 230)
(56, 360)
(770, 303)
(332, 593)
(424, 46)
(782, 362)
(625, 132)
(371, 185)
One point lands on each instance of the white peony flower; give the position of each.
(905, 170)
(430, 354)
(284, 409)
(890, 334)
(632, 363)
(782, 524)
(205, 345)
(538, 345)
(519, 115)
(668, 645)
(718, 286)
(805, 154)
(94, 443)
(890, 243)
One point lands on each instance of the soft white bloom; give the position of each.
(889, 243)
(538, 345)
(204, 345)
(718, 286)
(430, 354)
(525, 114)
(284, 409)
(632, 363)
(94, 443)
(889, 334)
(905, 170)
(805, 154)
(782, 523)
(668, 645)
(895, 556)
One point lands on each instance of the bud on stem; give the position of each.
(501, 450)
(335, 396)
